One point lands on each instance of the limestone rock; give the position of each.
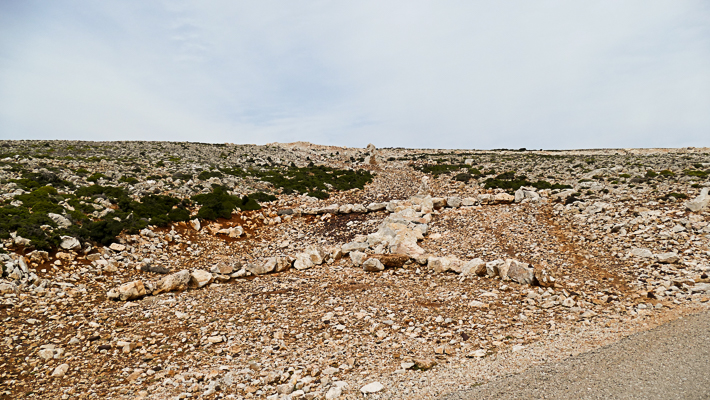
(373, 387)
(128, 291)
(373, 265)
(641, 252)
(668, 258)
(700, 202)
(474, 267)
(200, 278)
(303, 261)
(357, 258)
(60, 220)
(521, 273)
(424, 363)
(70, 243)
(60, 371)
(543, 278)
(173, 282)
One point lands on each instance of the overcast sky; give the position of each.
(435, 74)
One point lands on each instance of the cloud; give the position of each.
(413, 74)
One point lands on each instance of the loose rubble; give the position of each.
(392, 291)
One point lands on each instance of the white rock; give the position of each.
(60, 371)
(173, 282)
(668, 258)
(199, 278)
(60, 220)
(303, 261)
(699, 202)
(333, 393)
(69, 243)
(357, 258)
(373, 265)
(373, 387)
(128, 291)
(641, 252)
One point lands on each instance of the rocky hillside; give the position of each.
(163, 270)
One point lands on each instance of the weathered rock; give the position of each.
(263, 267)
(200, 278)
(354, 246)
(477, 304)
(406, 243)
(376, 206)
(357, 258)
(444, 264)
(543, 278)
(303, 261)
(222, 269)
(424, 363)
(700, 202)
(521, 273)
(391, 260)
(173, 282)
(641, 252)
(195, 223)
(474, 267)
(70, 243)
(373, 387)
(668, 258)
(60, 371)
(60, 220)
(503, 198)
(493, 267)
(128, 291)
(156, 269)
(8, 288)
(316, 254)
(453, 202)
(373, 265)
(117, 247)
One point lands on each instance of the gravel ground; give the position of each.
(668, 362)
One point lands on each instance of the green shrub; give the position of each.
(651, 174)
(96, 176)
(220, 204)
(695, 173)
(438, 169)
(128, 179)
(205, 175)
(262, 197)
(666, 172)
(314, 179)
(463, 177)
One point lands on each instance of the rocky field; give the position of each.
(161, 270)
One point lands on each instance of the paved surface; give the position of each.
(669, 362)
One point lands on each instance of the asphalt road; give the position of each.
(671, 361)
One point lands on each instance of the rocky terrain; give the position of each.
(162, 270)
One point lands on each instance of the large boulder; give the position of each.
(128, 291)
(173, 282)
(316, 254)
(263, 267)
(699, 202)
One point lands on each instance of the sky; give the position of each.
(418, 74)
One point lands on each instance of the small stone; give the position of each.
(373, 387)
(424, 363)
(60, 371)
(200, 278)
(334, 392)
(373, 265)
